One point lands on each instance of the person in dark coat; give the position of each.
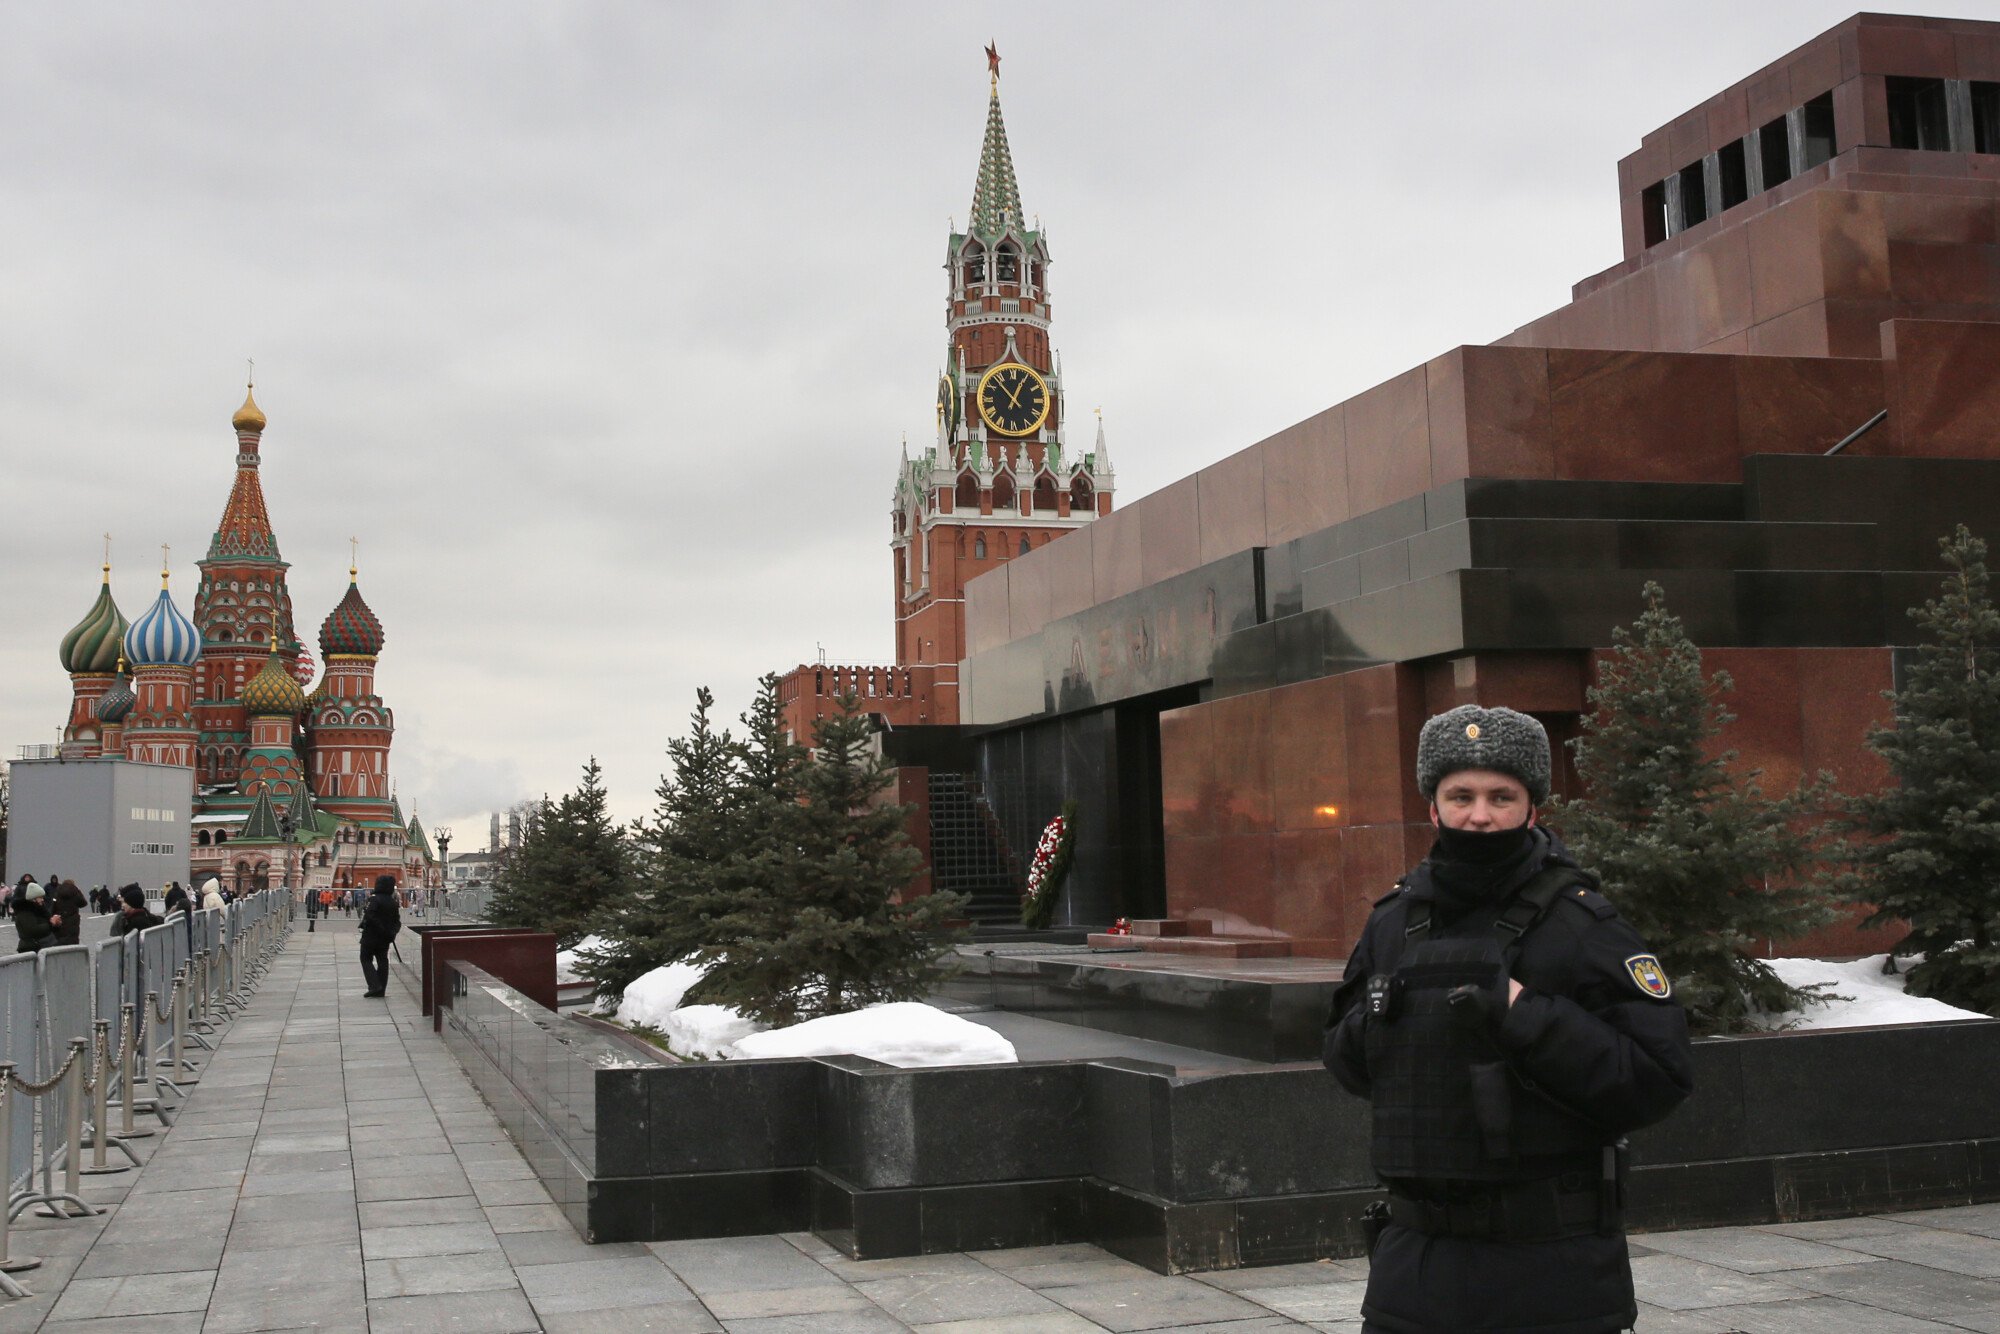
(30, 910)
(66, 908)
(381, 919)
(1509, 1030)
(133, 914)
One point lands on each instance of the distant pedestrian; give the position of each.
(66, 905)
(133, 914)
(212, 895)
(380, 921)
(175, 900)
(30, 911)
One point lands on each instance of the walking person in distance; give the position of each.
(1509, 1030)
(381, 919)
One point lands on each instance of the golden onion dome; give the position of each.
(274, 692)
(249, 417)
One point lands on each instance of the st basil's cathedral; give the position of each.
(290, 786)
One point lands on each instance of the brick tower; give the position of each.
(241, 603)
(163, 648)
(349, 725)
(1000, 479)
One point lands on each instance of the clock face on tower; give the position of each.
(1013, 399)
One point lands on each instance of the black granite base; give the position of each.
(1258, 1018)
(1177, 1172)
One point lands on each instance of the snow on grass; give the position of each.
(707, 1031)
(1875, 998)
(653, 996)
(566, 960)
(903, 1033)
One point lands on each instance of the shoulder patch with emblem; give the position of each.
(1649, 977)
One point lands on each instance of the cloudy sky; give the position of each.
(599, 323)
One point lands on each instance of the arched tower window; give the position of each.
(974, 267)
(979, 548)
(1079, 496)
(1024, 544)
(1003, 492)
(1009, 263)
(1045, 495)
(967, 496)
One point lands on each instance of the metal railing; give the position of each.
(89, 1032)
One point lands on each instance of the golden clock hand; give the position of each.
(1014, 398)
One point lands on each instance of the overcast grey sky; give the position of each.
(599, 323)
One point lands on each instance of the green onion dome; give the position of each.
(274, 692)
(114, 704)
(351, 629)
(93, 645)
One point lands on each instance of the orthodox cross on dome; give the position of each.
(164, 550)
(353, 559)
(107, 557)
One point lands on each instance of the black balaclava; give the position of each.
(1471, 869)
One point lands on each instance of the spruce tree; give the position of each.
(682, 856)
(1704, 867)
(1929, 852)
(819, 927)
(570, 866)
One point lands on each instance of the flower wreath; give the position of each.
(1048, 869)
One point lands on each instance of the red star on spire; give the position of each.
(992, 60)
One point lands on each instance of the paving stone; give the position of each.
(1155, 1302)
(1752, 1250)
(389, 1243)
(179, 1322)
(424, 1275)
(1820, 1315)
(740, 1264)
(409, 1213)
(1312, 1301)
(413, 1186)
(665, 1318)
(826, 1322)
(1908, 1289)
(755, 1302)
(926, 1299)
(1676, 1284)
(182, 1254)
(601, 1285)
(556, 1245)
(149, 1294)
(525, 1218)
(1282, 1276)
(491, 1193)
(457, 1312)
(1959, 1252)
(1051, 1322)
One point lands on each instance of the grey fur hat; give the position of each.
(1474, 737)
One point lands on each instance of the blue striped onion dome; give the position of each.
(163, 637)
(93, 645)
(115, 703)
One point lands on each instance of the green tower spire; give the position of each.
(996, 195)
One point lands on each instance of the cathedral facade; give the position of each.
(289, 785)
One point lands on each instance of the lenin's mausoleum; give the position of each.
(1229, 673)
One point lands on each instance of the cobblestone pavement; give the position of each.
(334, 1170)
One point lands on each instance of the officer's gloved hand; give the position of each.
(1482, 1005)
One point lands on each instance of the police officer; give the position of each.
(1509, 1030)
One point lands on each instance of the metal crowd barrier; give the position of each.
(82, 1023)
(469, 903)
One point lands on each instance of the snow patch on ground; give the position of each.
(904, 1033)
(654, 996)
(709, 1031)
(566, 960)
(1876, 998)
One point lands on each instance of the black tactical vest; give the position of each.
(1447, 1107)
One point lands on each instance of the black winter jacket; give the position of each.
(381, 919)
(1585, 1032)
(69, 904)
(128, 922)
(31, 923)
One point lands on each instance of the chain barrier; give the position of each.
(208, 988)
